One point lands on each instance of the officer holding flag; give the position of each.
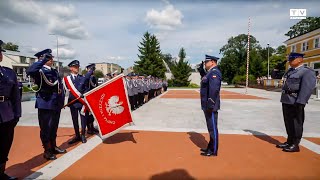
(210, 102)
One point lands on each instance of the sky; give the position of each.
(110, 31)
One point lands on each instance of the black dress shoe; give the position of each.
(283, 145)
(7, 177)
(74, 140)
(58, 150)
(203, 150)
(90, 132)
(95, 130)
(208, 153)
(292, 148)
(49, 156)
(83, 139)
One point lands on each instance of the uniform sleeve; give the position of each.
(84, 81)
(16, 98)
(308, 83)
(214, 89)
(33, 70)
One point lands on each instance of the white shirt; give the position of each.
(74, 75)
(48, 67)
(298, 66)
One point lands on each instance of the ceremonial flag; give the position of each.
(109, 105)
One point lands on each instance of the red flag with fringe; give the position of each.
(109, 105)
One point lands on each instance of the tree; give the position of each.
(181, 71)
(10, 46)
(304, 26)
(97, 73)
(169, 60)
(150, 60)
(234, 57)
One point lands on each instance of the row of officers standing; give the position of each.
(142, 88)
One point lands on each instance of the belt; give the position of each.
(4, 98)
(295, 94)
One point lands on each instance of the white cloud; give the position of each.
(65, 53)
(59, 19)
(166, 19)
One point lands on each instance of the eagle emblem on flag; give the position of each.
(114, 106)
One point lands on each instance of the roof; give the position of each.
(302, 36)
(20, 53)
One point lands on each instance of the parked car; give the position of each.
(224, 83)
(100, 81)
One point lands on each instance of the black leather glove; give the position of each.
(93, 68)
(201, 69)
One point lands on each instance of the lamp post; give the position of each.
(268, 62)
(57, 50)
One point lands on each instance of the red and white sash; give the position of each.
(76, 93)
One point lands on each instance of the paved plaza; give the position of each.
(165, 140)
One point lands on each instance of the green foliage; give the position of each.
(10, 46)
(170, 83)
(169, 60)
(181, 71)
(234, 57)
(193, 85)
(233, 64)
(150, 59)
(28, 89)
(304, 26)
(98, 74)
(241, 79)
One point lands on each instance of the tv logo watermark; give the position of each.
(298, 13)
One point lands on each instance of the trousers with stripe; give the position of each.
(212, 125)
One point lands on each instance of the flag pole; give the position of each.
(248, 52)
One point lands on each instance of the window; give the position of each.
(32, 60)
(316, 65)
(293, 48)
(316, 42)
(22, 59)
(304, 46)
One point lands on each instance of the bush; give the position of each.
(27, 89)
(193, 85)
(238, 79)
(170, 83)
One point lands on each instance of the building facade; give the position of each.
(20, 62)
(308, 44)
(106, 68)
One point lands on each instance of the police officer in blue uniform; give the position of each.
(10, 112)
(299, 82)
(91, 85)
(210, 102)
(80, 82)
(49, 101)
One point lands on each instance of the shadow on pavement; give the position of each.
(263, 137)
(121, 137)
(174, 174)
(23, 170)
(198, 139)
